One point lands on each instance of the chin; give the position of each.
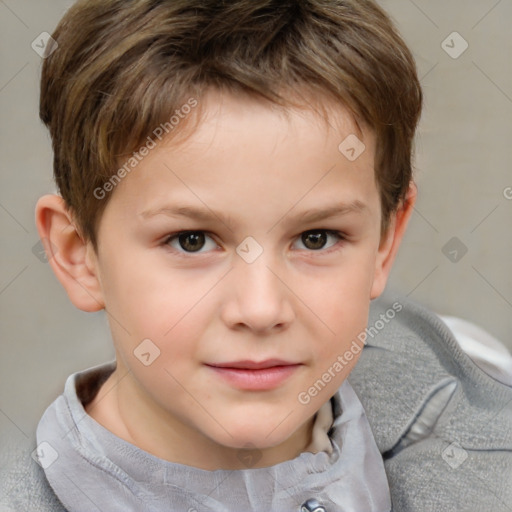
(261, 435)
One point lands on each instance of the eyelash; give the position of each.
(335, 247)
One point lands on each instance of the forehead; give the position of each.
(240, 152)
(220, 113)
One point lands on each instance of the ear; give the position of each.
(73, 260)
(390, 242)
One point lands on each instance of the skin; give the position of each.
(302, 300)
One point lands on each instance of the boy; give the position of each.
(235, 182)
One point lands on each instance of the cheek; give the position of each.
(159, 305)
(341, 300)
(341, 296)
(155, 299)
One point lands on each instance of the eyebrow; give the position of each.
(308, 216)
(335, 210)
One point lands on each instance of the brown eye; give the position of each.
(318, 240)
(191, 241)
(314, 240)
(186, 243)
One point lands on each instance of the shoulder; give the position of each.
(23, 484)
(443, 426)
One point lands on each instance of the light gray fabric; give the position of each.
(485, 351)
(413, 360)
(96, 470)
(23, 485)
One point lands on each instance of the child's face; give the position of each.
(214, 300)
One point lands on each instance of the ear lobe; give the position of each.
(72, 259)
(390, 243)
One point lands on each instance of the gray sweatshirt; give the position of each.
(442, 426)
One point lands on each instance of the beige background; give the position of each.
(464, 154)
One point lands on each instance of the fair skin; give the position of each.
(303, 300)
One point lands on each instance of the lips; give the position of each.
(253, 375)
(253, 365)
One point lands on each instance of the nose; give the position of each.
(259, 299)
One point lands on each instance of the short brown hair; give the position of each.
(123, 67)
